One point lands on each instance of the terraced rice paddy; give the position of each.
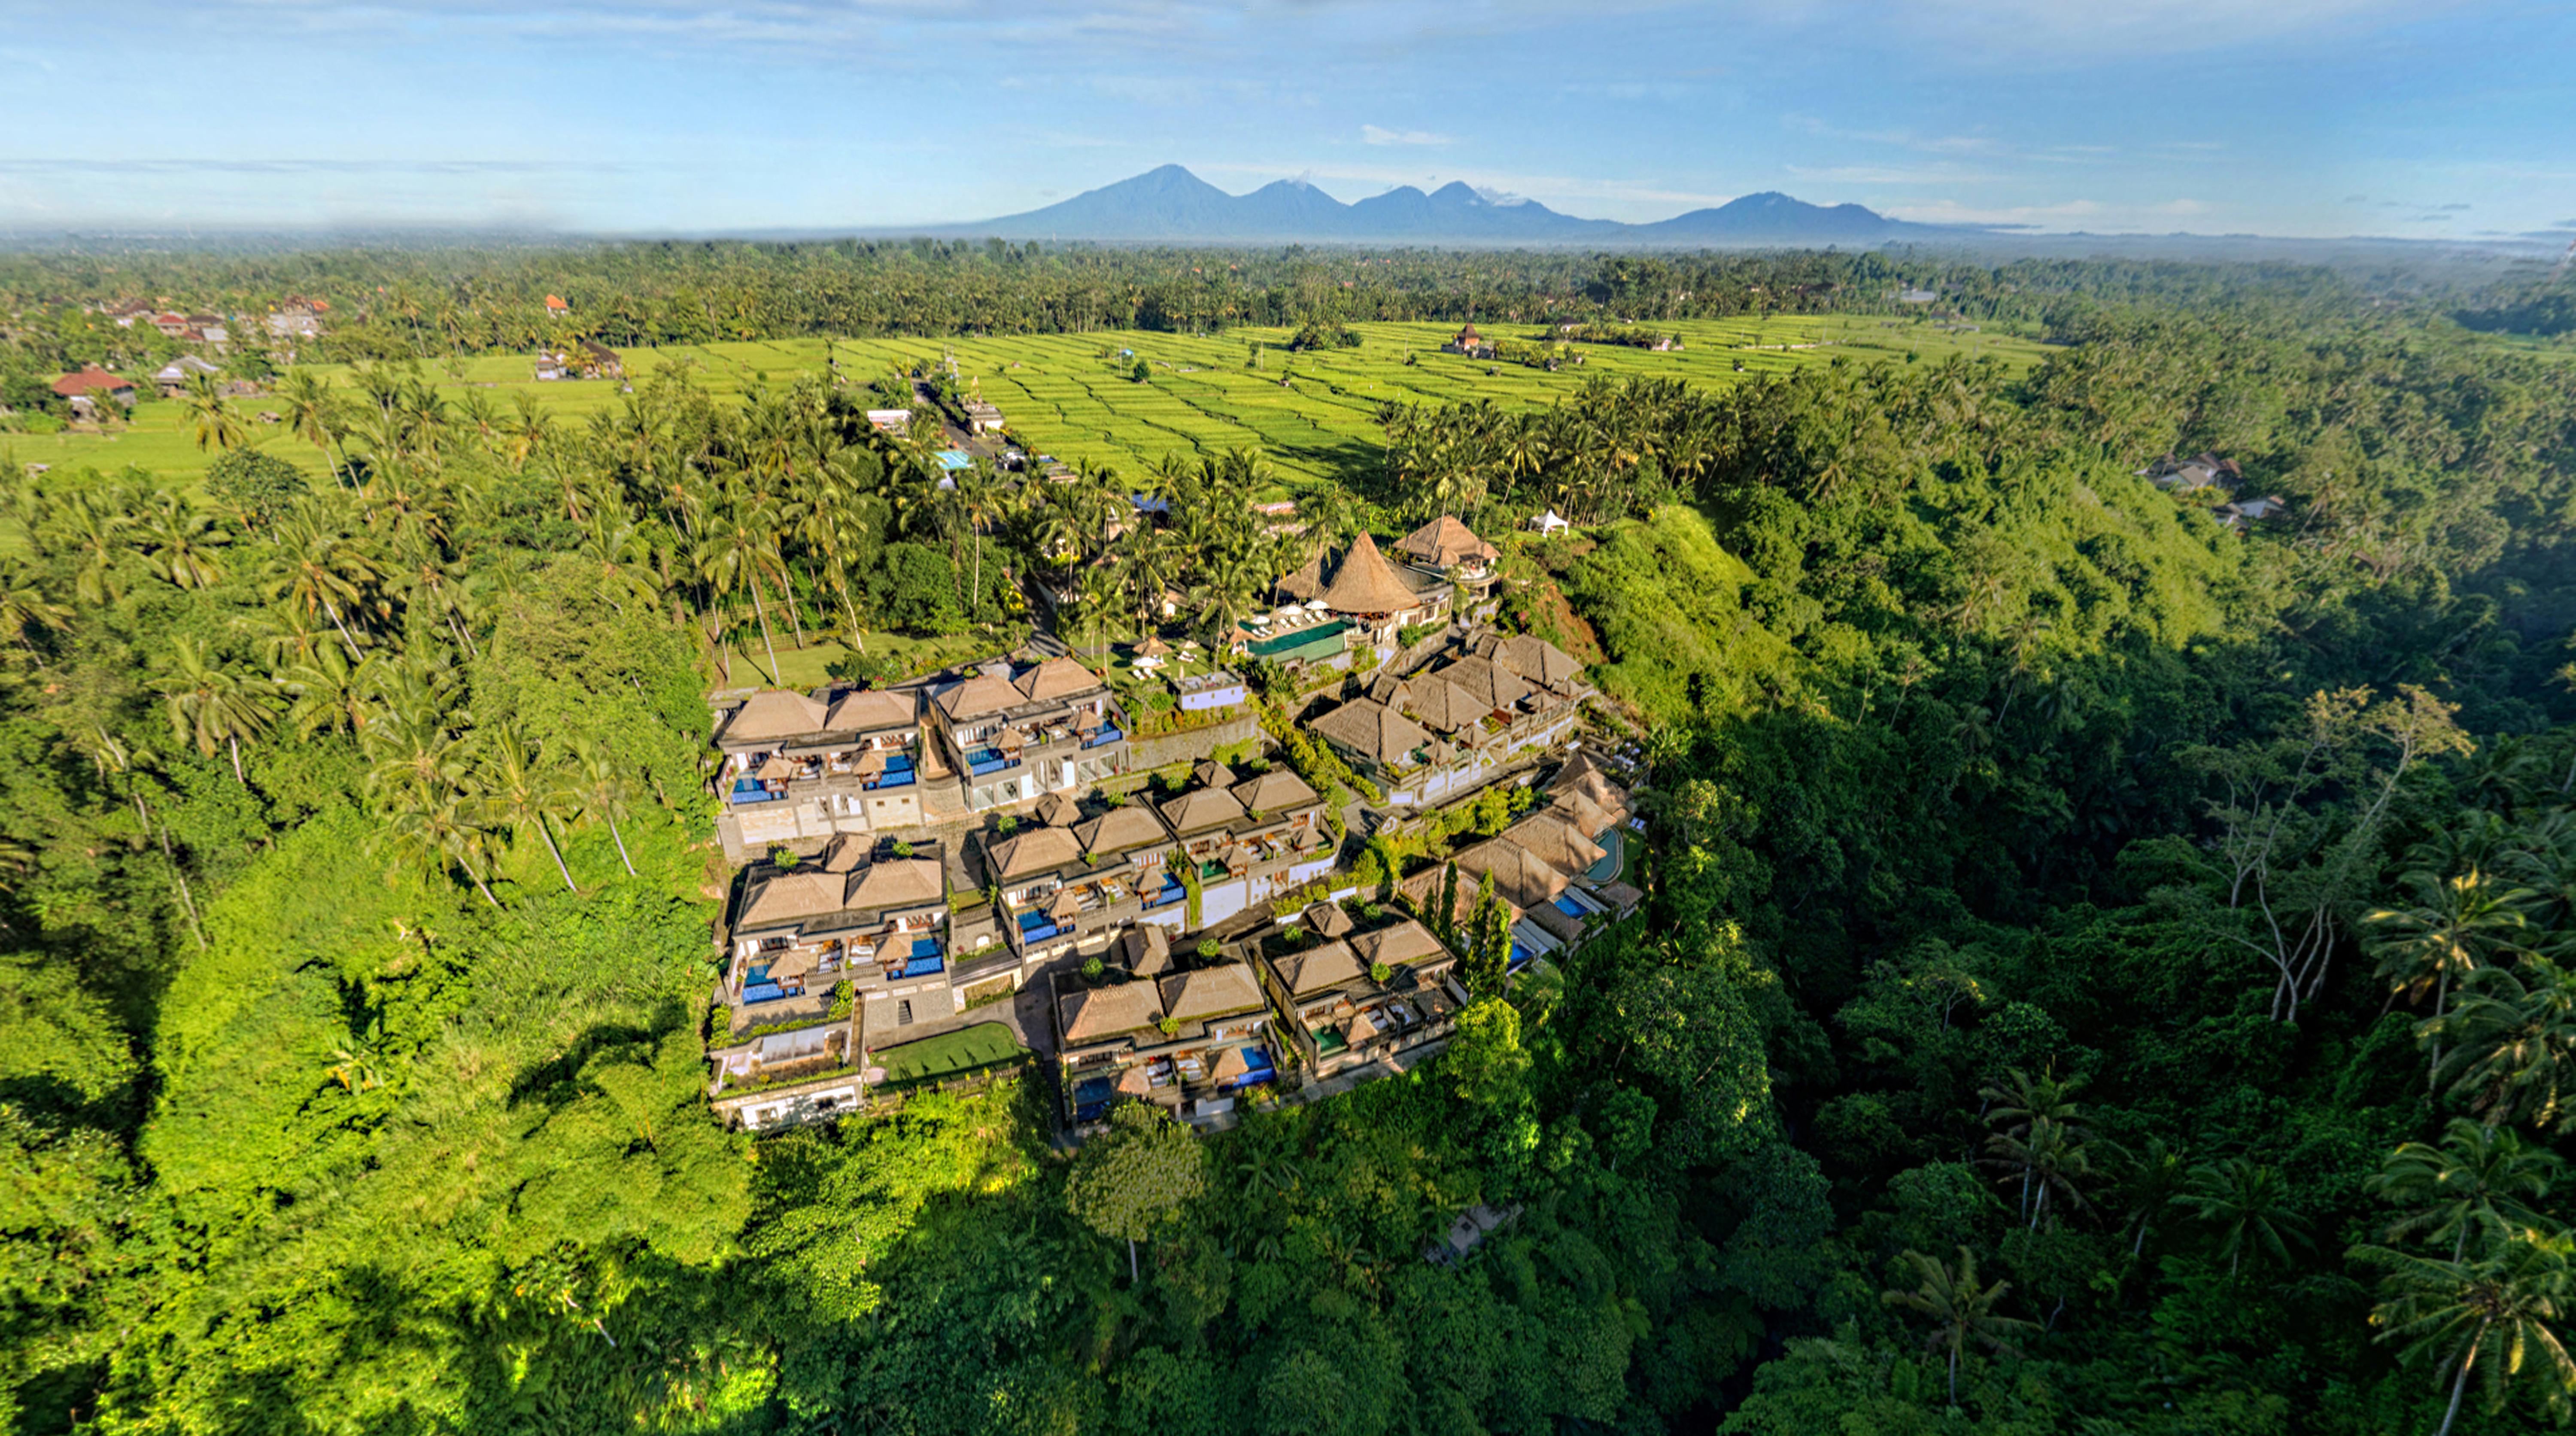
(1070, 395)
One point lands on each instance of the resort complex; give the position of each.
(986, 863)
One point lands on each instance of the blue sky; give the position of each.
(2431, 118)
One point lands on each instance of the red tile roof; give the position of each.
(91, 381)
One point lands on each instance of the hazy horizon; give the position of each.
(2321, 118)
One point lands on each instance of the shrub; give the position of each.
(1379, 972)
(1006, 825)
(1209, 948)
(903, 850)
(1092, 967)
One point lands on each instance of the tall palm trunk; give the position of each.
(548, 834)
(334, 610)
(2460, 1383)
(234, 743)
(766, 641)
(621, 845)
(187, 895)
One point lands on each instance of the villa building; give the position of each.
(811, 765)
(1448, 550)
(1451, 728)
(1350, 998)
(1073, 887)
(1011, 735)
(1251, 839)
(1188, 1039)
(1371, 597)
(1559, 868)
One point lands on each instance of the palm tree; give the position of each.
(2245, 1204)
(2516, 1030)
(2501, 1306)
(312, 413)
(2155, 1177)
(2048, 1158)
(432, 828)
(2477, 1175)
(210, 706)
(737, 551)
(210, 420)
(180, 543)
(313, 567)
(25, 607)
(328, 692)
(2456, 926)
(516, 791)
(602, 791)
(1961, 1311)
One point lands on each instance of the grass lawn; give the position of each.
(809, 667)
(967, 1049)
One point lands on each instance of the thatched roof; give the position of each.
(897, 882)
(1209, 773)
(1230, 1064)
(1444, 541)
(1327, 919)
(1367, 583)
(1319, 968)
(1201, 809)
(788, 896)
(1534, 659)
(1119, 830)
(1490, 684)
(875, 708)
(1097, 1013)
(774, 713)
(1274, 792)
(1407, 941)
(1146, 949)
(1522, 878)
(1211, 992)
(1031, 850)
(1058, 810)
(976, 696)
(1362, 1028)
(1441, 705)
(1056, 678)
(1135, 1082)
(847, 852)
(1373, 730)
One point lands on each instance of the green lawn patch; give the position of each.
(968, 1049)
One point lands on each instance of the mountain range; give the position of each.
(1172, 204)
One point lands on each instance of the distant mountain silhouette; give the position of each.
(1170, 203)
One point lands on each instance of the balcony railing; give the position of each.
(1104, 734)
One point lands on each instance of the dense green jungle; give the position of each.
(2105, 968)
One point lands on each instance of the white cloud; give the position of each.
(1374, 135)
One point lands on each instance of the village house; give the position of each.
(982, 418)
(1455, 725)
(2201, 471)
(1011, 735)
(802, 765)
(1470, 343)
(1249, 839)
(1188, 1039)
(1350, 998)
(1066, 885)
(85, 388)
(173, 378)
(897, 422)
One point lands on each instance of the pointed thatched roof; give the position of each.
(1277, 791)
(1030, 851)
(1097, 1013)
(1362, 1028)
(1444, 541)
(1326, 919)
(978, 695)
(1056, 678)
(846, 853)
(1209, 773)
(898, 882)
(774, 713)
(788, 896)
(873, 709)
(1230, 1064)
(1201, 809)
(1367, 583)
(1487, 682)
(1211, 992)
(1372, 730)
(1534, 659)
(1407, 941)
(1319, 968)
(1135, 1082)
(1146, 950)
(1118, 831)
(1441, 705)
(1058, 810)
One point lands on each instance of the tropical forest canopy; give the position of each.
(2104, 969)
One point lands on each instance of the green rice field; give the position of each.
(1069, 395)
